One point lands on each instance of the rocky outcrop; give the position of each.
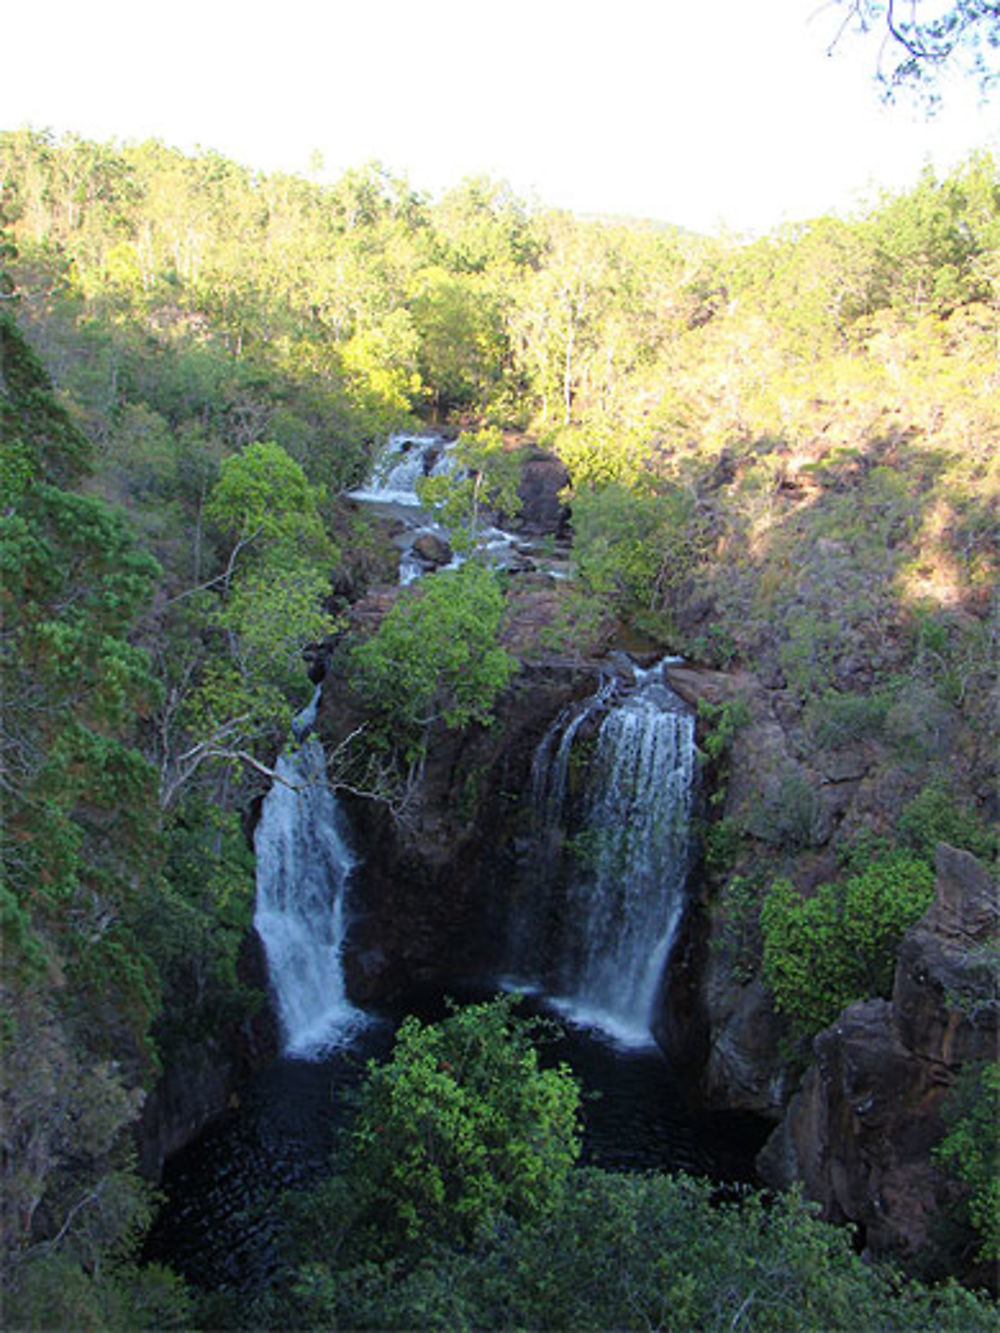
(544, 478)
(432, 549)
(202, 1075)
(859, 1133)
(429, 897)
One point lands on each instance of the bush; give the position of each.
(435, 656)
(838, 720)
(839, 945)
(740, 935)
(460, 1128)
(642, 1252)
(935, 816)
(971, 1148)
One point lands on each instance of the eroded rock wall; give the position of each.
(859, 1133)
(429, 902)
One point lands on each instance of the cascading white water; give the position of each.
(405, 460)
(392, 491)
(303, 868)
(606, 940)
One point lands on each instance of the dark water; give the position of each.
(218, 1225)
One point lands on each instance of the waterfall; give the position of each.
(303, 868)
(611, 856)
(404, 461)
(392, 492)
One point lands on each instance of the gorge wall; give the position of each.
(858, 1134)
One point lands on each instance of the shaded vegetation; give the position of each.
(463, 1115)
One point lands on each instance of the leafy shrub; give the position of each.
(635, 546)
(722, 723)
(721, 842)
(838, 720)
(641, 1252)
(936, 816)
(740, 934)
(788, 814)
(458, 1129)
(919, 725)
(435, 656)
(971, 1149)
(838, 945)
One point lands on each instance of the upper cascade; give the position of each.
(392, 490)
(612, 811)
(405, 460)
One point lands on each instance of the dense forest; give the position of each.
(783, 462)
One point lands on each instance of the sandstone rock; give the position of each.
(203, 1074)
(543, 512)
(432, 548)
(744, 1069)
(859, 1134)
(429, 898)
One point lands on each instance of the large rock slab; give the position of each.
(859, 1134)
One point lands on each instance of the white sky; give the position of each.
(704, 113)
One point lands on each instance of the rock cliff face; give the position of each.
(430, 894)
(202, 1076)
(859, 1133)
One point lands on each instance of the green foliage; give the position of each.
(722, 722)
(935, 815)
(721, 840)
(460, 1128)
(740, 937)
(233, 660)
(971, 1149)
(838, 945)
(838, 720)
(41, 443)
(435, 657)
(787, 813)
(637, 548)
(808, 651)
(60, 1293)
(636, 1252)
(262, 496)
(198, 924)
(482, 483)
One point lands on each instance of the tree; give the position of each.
(436, 657)
(971, 1149)
(839, 945)
(460, 1128)
(919, 40)
(462, 342)
(78, 844)
(234, 679)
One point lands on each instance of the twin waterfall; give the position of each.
(604, 892)
(612, 811)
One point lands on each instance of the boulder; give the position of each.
(543, 512)
(432, 549)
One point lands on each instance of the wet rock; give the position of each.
(430, 896)
(203, 1073)
(745, 1069)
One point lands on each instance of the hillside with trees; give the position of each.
(784, 466)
